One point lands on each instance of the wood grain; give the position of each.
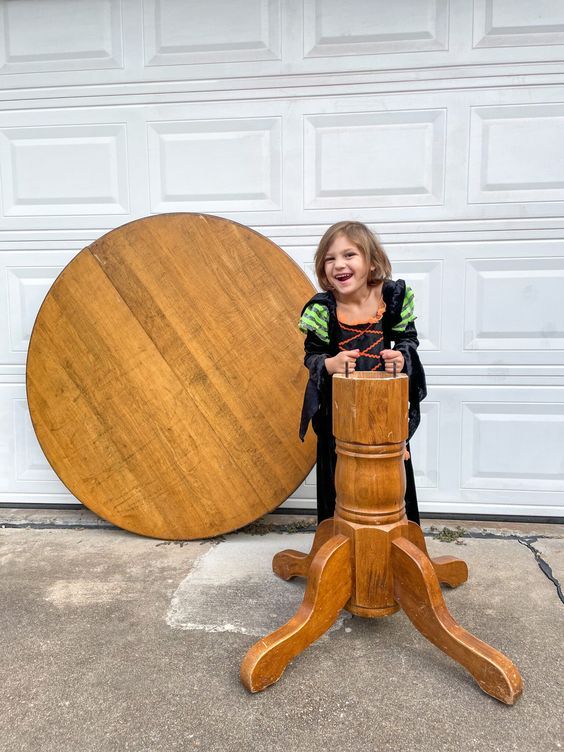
(418, 592)
(165, 376)
(449, 569)
(370, 428)
(370, 553)
(289, 563)
(370, 407)
(328, 589)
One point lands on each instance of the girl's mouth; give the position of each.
(342, 277)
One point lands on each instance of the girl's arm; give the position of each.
(406, 342)
(314, 323)
(321, 364)
(316, 353)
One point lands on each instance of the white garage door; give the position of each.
(439, 123)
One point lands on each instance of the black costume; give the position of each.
(318, 401)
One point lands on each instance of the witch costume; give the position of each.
(326, 336)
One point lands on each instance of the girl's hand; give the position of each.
(336, 364)
(389, 356)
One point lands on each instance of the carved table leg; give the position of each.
(417, 590)
(328, 589)
(449, 569)
(289, 563)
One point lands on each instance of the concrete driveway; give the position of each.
(111, 641)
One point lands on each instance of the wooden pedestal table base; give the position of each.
(369, 558)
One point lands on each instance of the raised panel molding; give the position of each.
(518, 23)
(60, 35)
(216, 165)
(208, 31)
(426, 280)
(514, 304)
(27, 275)
(23, 466)
(64, 170)
(439, 123)
(363, 159)
(30, 462)
(368, 27)
(27, 288)
(425, 446)
(133, 49)
(512, 446)
(516, 154)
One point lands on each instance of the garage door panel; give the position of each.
(439, 123)
(25, 474)
(60, 35)
(498, 23)
(513, 446)
(516, 154)
(404, 149)
(425, 446)
(330, 29)
(28, 277)
(426, 280)
(90, 42)
(218, 165)
(514, 304)
(486, 304)
(499, 447)
(65, 170)
(177, 32)
(410, 158)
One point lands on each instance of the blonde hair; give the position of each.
(358, 234)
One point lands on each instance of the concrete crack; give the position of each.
(544, 566)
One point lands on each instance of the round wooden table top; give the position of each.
(165, 376)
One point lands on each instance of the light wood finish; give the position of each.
(370, 433)
(370, 427)
(449, 570)
(289, 563)
(165, 376)
(328, 589)
(360, 417)
(418, 592)
(390, 565)
(371, 593)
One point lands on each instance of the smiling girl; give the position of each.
(353, 324)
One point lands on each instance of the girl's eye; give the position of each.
(329, 258)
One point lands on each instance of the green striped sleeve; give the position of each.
(407, 311)
(315, 319)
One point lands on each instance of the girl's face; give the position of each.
(346, 268)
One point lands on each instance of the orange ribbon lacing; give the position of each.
(357, 333)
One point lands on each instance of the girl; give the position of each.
(354, 322)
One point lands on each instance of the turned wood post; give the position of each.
(370, 428)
